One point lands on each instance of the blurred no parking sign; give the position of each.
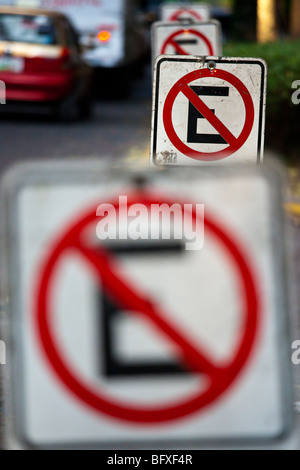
(142, 341)
(185, 11)
(185, 39)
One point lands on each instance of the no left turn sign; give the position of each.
(208, 111)
(196, 39)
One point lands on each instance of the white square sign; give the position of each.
(204, 39)
(150, 341)
(208, 110)
(185, 12)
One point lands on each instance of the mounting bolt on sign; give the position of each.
(208, 110)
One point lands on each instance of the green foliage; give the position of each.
(283, 60)
(244, 20)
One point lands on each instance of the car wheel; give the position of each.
(68, 110)
(85, 107)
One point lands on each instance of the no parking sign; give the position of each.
(208, 110)
(129, 341)
(185, 39)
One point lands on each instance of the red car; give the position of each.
(41, 61)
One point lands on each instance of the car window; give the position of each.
(70, 34)
(38, 29)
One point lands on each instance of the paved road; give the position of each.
(119, 129)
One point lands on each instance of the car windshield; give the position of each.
(27, 28)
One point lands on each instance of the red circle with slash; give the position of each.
(105, 269)
(176, 15)
(182, 86)
(170, 41)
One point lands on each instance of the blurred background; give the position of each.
(94, 63)
(79, 82)
(62, 69)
